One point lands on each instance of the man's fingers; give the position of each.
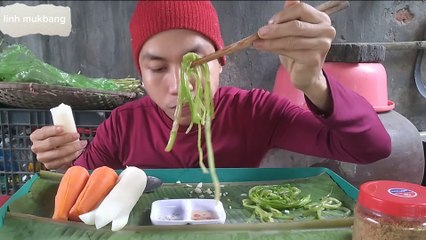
(46, 132)
(60, 162)
(305, 57)
(288, 3)
(66, 153)
(300, 11)
(282, 45)
(296, 28)
(54, 148)
(53, 142)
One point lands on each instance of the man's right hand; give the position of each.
(55, 148)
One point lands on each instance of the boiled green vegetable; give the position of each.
(286, 202)
(200, 103)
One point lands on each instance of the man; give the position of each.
(340, 124)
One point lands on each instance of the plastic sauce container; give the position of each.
(390, 210)
(187, 211)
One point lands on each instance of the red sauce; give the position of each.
(203, 215)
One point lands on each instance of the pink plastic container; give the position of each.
(367, 79)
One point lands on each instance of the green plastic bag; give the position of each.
(18, 64)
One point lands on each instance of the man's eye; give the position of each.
(158, 70)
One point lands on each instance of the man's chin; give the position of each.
(185, 121)
(185, 118)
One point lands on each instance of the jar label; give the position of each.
(402, 192)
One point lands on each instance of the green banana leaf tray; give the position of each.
(27, 214)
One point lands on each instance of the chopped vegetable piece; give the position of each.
(100, 183)
(276, 201)
(72, 183)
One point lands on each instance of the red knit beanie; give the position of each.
(152, 17)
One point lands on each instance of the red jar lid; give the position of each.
(394, 198)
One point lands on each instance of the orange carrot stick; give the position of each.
(71, 185)
(100, 183)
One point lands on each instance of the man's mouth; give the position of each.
(185, 109)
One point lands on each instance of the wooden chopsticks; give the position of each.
(329, 7)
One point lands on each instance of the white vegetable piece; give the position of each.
(62, 115)
(118, 204)
(88, 218)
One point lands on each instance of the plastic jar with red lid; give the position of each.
(390, 210)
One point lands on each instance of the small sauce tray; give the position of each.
(187, 211)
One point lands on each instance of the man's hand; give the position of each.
(54, 148)
(301, 35)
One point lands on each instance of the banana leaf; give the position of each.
(22, 227)
(29, 217)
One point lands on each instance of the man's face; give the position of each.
(159, 61)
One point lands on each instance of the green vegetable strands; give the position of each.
(286, 202)
(200, 103)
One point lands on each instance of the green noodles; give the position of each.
(200, 103)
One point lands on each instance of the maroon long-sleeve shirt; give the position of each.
(247, 124)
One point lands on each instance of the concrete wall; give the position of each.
(99, 43)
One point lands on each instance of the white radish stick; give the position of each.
(88, 218)
(118, 204)
(62, 115)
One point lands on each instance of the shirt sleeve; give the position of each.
(103, 150)
(352, 132)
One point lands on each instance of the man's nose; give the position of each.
(174, 82)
